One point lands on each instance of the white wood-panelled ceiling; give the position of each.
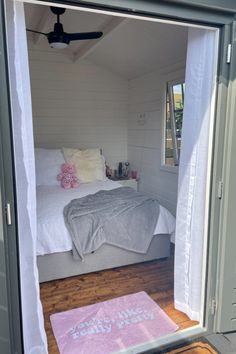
(129, 47)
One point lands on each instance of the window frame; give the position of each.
(171, 79)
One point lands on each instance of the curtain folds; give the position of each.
(200, 84)
(34, 336)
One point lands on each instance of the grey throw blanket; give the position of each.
(121, 217)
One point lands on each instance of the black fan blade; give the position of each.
(84, 35)
(29, 30)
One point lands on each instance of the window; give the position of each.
(173, 122)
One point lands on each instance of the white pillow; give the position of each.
(47, 166)
(89, 164)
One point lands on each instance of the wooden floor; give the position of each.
(194, 348)
(155, 277)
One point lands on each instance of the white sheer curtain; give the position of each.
(200, 83)
(33, 324)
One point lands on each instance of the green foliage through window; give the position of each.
(174, 118)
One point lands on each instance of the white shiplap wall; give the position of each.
(78, 105)
(84, 105)
(145, 133)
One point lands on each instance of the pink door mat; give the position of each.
(110, 326)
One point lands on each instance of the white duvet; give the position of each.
(52, 234)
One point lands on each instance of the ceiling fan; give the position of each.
(58, 38)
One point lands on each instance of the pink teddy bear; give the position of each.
(67, 176)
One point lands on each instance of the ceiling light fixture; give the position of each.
(58, 38)
(58, 45)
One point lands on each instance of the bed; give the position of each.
(54, 243)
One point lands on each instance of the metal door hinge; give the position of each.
(220, 189)
(8, 214)
(213, 307)
(229, 51)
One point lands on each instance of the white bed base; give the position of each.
(62, 265)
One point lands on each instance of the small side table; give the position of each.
(128, 183)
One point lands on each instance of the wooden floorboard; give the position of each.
(194, 348)
(155, 277)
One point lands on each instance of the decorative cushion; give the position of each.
(89, 164)
(47, 166)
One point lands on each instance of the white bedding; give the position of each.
(52, 234)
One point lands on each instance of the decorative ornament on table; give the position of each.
(120, 169)
(135, 175)
(126, 169)
(67, 176)
(108, 172)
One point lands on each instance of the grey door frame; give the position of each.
(211, 305)
(185, 11)
(226, 289)
(7, 186)
(210, 12)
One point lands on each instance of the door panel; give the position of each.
(226, 287)
(10, 315)
(4, 322)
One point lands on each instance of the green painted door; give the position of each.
(226, 287)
